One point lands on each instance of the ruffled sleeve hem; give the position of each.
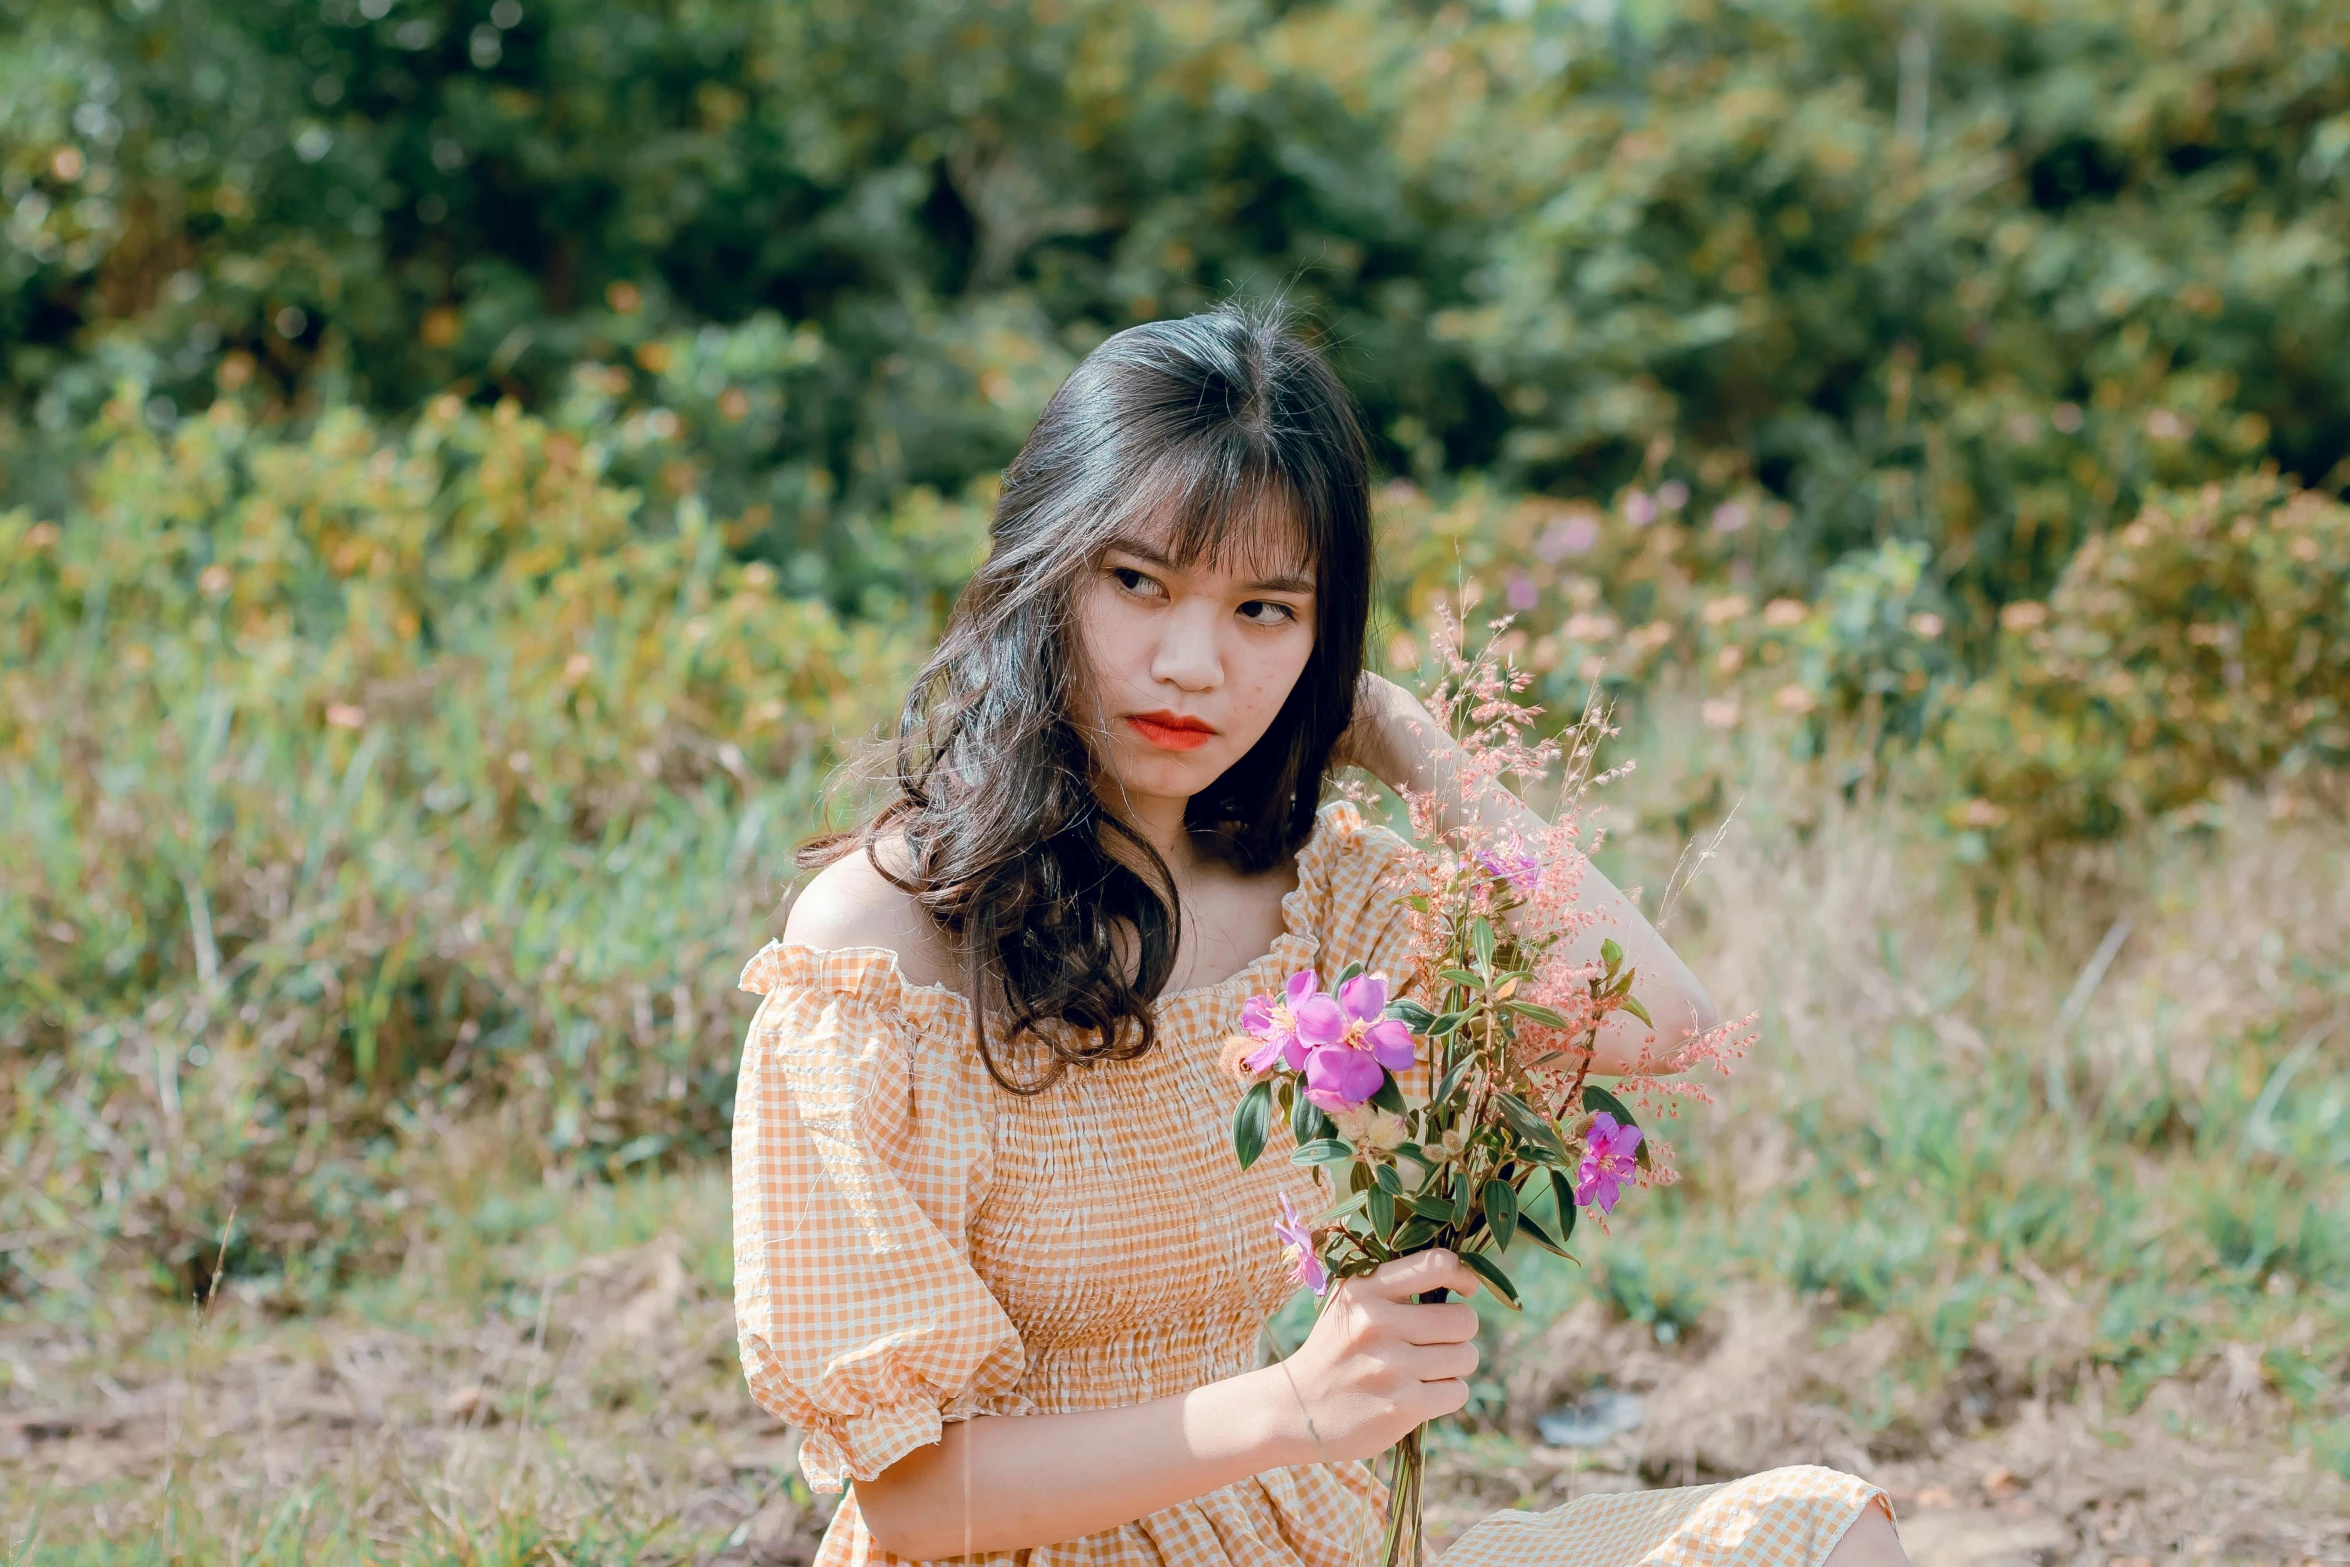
(861, 1447)
(869, 975)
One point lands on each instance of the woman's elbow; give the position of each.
(898, 1513)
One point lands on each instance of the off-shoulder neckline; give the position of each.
(1294, 923)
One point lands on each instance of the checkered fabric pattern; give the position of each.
(913, 1245)
(1785, 1518)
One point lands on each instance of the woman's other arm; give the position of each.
(1376, 1365)
(1396, 741)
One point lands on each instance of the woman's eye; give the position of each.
(1135, 582)
(1265, 612)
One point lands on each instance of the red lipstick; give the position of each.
(1171, 731)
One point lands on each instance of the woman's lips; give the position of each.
(1171, 731)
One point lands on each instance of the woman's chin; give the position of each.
(1162, 776)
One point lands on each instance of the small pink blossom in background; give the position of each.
(1608, 1163)
(1731, 516)
(1640, 508)
(1572, 535)
(1672, 495)
(1522, 591)
(1306, 1268)
(1719, 712)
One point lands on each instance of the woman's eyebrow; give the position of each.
(1152, 554)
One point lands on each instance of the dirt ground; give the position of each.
(614, 1412)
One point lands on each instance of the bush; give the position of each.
(355, 779)
(1977, 277)
(2207, 642)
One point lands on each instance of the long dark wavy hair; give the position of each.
(1229, 437)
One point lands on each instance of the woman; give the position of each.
(981, 1160)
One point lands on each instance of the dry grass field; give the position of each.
(2107, 1329)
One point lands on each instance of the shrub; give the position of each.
(355, 778)
(2206, 642)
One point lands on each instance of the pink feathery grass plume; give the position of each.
(1297, 1241)
(1608, 1163)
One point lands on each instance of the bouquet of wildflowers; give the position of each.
(1455, 1108)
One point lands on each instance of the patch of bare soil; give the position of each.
(616, 1409)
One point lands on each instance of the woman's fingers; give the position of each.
(1454, 1322)
(1408, 1278)
(1445, 1362)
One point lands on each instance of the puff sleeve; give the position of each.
(1351, 878)
(858, 1159)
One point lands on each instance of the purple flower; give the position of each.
(1524, 592)
(1639, 508)
(1340, 1043)
(1297, 1243)
(1519, 868)
(1274, 1020)
(1672, 495)
(1730, 516)
(1340, 1077)
(1607, 1163)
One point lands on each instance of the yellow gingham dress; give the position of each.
(914, 1245)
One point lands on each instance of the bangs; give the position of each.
(1250, 521)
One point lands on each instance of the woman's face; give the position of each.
(1189, 664)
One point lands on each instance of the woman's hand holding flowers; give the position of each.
(1378, 1364)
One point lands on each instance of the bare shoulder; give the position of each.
(851, 904)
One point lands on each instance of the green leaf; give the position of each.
(1596, 1099)
(1323, 1150)
(1390, 1097)
(1411, 1014)
(1563, 1190)
(1490, 1271)
(1446, 1024)
(1534, 1012)
(1419, 901)
(1389, 1182)
(1541, 1237)
(1437, 1209)
(1481, 941)
(1611, 954)
(1633, 1006)
(1414, 1235)
(1381, 1208)
(1460, 976)
(1530, 1124)
(1307, 1122)
(1501, 1213)
(1251, 1122)
(1460, 1201)
(1452, 1079)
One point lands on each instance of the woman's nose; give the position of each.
(1187, 654)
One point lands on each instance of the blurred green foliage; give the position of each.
(2207, 642)
(1972, 275)
(355, 780)
(471, 460)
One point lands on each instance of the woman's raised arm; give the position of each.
(1395, 740)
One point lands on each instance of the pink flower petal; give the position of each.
(1391, 1044)
(1302, 984)
(1319, 1020)
(1364, 997)
(1339, 1078)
